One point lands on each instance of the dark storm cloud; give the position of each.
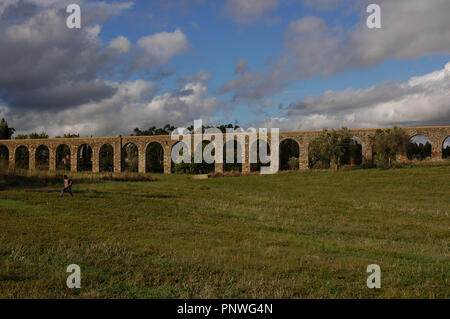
(62, 96)
(45, 65)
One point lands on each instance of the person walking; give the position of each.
(67, 186)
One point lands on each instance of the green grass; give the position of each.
(296, 235)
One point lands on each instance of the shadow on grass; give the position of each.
(95, 193)
(13, 181)
(15, 277)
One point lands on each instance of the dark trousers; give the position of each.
(66, 189)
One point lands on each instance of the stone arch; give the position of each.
(353, 154)
(289, 154)
(106, 158)
(154, 158)
(42, 158)
(4, 157)
(130, 158)
(22, 157)
(84, 158)
(63, 157)
(446, 147)
(419, 147)
(236, 164)
(255, 155)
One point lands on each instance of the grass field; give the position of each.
(296, 235)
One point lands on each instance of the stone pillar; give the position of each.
(436, 150)
(299, 154)
(401, 157)
(31, 158)
(51, 159)
(218, 155)
(95, 159)
(141, 159)
(73, 158)
(218, 168)
(246, 157)
(12, 159)
(118, 154)
(167, 159)
(304, 156)
(366, 152)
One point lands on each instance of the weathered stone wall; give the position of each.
(437, 136)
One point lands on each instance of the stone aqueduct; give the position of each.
(437, 136)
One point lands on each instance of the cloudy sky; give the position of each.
(291, 64)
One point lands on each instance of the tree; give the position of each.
(32, 136)
(5, 131)
(386, 144)
(331, 148)
(37, 136)
(166, 130)
(418, 152)
(69, 135)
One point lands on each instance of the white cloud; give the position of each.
(423, 100)
(121, 44)
(132, 105)
(325, 4)
(307, 24)
(48, 66)
(161, 47)
(410, 29)
(247, 11)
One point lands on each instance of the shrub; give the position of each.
(193, 168)
(293, 163)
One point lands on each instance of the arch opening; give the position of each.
(289, 155)
(42, 158)
(446, 148)
(106, 158)
(130, 158)
(22, 158)
(207, 165)
(63, 157)
(352, 152)
(84, 158)
(154, 158)
(419, 148)
(259, 151)
(4, 158)
(234, 164)
(182, 159)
